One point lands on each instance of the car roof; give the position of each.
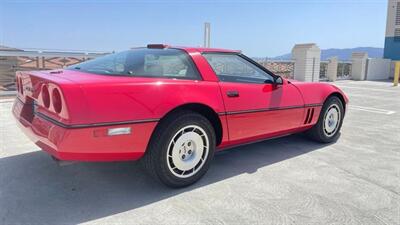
(193, 49)
(201, 49)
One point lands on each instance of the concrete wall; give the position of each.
(359, 65)
(378, 69)
(332, 69)
(307, 59)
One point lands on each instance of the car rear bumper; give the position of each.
(83, 144)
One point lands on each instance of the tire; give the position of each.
(178, 154)
(330, 120)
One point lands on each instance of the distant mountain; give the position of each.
(6, 48)
(342, 54)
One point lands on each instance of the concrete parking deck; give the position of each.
(289, 180)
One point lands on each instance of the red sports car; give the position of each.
(171, 107)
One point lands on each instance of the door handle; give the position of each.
(232, 94)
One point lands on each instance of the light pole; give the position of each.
(207, 35)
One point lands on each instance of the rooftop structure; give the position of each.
(392, 40)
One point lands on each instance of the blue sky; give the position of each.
(259, 28)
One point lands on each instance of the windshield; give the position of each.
(142, 62)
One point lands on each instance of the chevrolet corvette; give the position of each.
(170, 107)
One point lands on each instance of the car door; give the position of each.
(254, 105)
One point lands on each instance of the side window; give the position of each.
(119, 63)
(167, 65)
(234, 68)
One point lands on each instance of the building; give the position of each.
(392, 40)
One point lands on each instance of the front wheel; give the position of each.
(181, 149)
(330, 120)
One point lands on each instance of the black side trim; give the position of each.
(67, 126)
(267, 109)
(263, 110)
(313, 105)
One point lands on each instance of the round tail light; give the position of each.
(45, 96)
(56, 97)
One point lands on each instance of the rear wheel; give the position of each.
(181, 149)
(330, 120)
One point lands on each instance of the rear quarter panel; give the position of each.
(33, 81)
(150, 98)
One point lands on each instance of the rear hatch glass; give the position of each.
(142, 62)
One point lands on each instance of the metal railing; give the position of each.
(284, 68)
(344, 70)
(20, 60)
(323, 71)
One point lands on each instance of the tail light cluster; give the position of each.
(56, 97)
(51, 95)
(45, 96)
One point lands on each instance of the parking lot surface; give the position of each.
(288, 180)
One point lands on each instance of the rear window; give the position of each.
(143, 62)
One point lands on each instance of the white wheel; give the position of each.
(331, 120)
(187, 151)
(327, 128)
(181, 149)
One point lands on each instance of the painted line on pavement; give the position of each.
(369, 89)
(372, 110)
(6, 100)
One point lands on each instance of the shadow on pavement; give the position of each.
(34, 190)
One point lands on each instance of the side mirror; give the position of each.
(278, 81)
